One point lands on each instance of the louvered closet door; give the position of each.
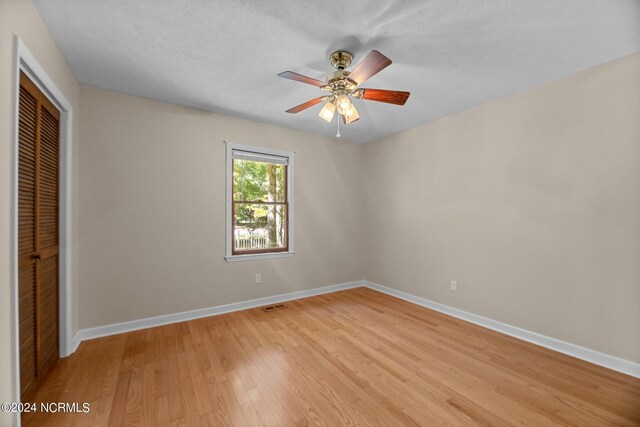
(38, 207)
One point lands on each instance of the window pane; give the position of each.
(256, 181)
(259, 226)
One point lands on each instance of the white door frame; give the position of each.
(25, 61)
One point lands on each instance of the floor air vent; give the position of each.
(273, 307)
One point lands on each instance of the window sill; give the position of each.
(258, 257)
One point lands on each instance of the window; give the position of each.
(259, 203)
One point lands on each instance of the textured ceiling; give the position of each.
(223, 56)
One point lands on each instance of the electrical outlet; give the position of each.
(454, 285)
(258, 278)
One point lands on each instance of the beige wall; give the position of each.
(532, 203)
(152, 210)
(21, 18)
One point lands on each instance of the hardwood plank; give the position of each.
(355, 357)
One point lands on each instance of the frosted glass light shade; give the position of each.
(344, 103)
(327, 112)
(352, 115)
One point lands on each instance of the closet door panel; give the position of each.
(38, 231)
(27, 137)
(47, 228)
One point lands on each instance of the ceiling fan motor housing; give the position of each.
(337, 75)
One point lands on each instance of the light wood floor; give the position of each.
(355, 357)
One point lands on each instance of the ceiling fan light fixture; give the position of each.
(327, 112)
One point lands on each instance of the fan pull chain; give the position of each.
(338, 134)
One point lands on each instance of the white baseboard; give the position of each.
(595, 357)
(598, 358)
(150, 322)
(75, 342)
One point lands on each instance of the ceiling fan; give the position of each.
(342, 84)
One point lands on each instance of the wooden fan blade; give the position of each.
(306, 105)
(300, 78)
(389, 96)
(371, 65)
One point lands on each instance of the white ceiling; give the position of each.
(223, 56)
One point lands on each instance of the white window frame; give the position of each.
(229, 198)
